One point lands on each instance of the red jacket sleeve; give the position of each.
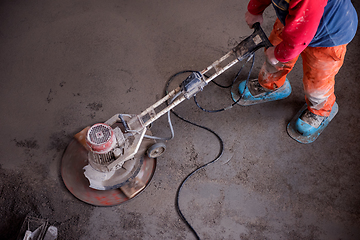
(257, 7)
(300, 27)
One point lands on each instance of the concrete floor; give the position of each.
(68, 64)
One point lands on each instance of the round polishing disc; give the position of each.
(76, 157)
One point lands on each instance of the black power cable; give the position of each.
(221, 150)
(231, 85)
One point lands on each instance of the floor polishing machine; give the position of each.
(109, 163)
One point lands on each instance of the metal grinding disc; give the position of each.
(75, 158)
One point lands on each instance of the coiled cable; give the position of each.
(221, 142)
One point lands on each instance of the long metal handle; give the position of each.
(243, 50)
(218, 70)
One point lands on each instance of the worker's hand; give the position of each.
(270, 56)
(272, 65)
(251, 19)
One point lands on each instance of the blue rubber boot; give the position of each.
(307, 126)
(254, 93)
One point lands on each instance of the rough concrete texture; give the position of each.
(68, 64)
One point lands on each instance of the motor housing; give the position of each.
(100, 138)
(106, 145)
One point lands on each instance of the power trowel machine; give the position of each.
(111, 162)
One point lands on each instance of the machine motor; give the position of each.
(106, 145)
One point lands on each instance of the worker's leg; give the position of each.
(320, 65)
(271, 84)
(269, 77)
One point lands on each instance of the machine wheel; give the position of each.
(156, 150)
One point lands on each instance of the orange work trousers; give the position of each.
(320, 65)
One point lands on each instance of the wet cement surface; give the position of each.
(69, 64)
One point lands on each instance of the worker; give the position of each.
(319, 31)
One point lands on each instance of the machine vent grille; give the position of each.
(103, 159)
(99, 134)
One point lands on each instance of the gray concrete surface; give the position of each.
(68, 64)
